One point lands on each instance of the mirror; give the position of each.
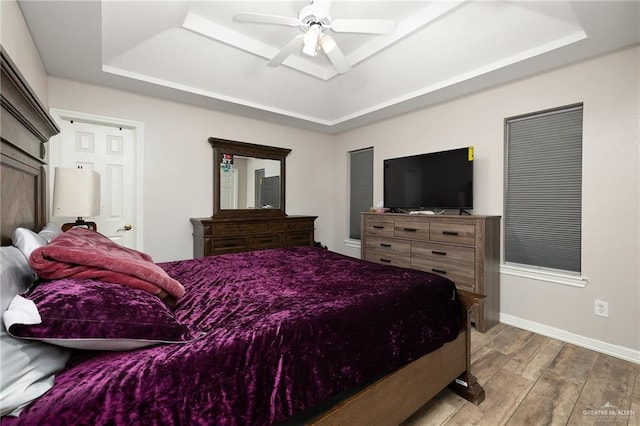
(249, 183)
(249, 179)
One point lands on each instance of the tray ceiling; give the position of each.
(196, 52)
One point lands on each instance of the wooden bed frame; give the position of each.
(26, 127)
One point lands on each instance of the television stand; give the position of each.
(463, 212)
(465, 249)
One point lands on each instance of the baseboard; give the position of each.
(621, 352)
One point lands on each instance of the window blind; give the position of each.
(361, 188)
(543, 197)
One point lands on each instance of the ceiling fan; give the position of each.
(314, 21)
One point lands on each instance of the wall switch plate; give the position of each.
(601, 308)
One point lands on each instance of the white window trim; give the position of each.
(540, 274)
(353, 243)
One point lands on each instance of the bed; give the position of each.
(298, 335)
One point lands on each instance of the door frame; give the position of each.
(137, 127)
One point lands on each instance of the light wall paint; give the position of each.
(16, 40)
(608, 86)
(178, 171)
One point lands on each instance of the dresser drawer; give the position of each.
(416, 230)
(388, 251)
(237, 228)
(290, 226)
(381, 227)
(226, 245)
(264, 241)
(303, 238)
(454, 262)
(451, 232)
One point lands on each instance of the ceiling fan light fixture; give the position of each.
(310, 40)
(328, 44)
(315, 22)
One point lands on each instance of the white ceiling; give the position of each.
(440, 50)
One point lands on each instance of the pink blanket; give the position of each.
(81, 253)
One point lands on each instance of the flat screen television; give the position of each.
(438, 180)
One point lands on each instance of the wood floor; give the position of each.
(530, 379)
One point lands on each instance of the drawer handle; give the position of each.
(410, 229)
(450, 232)
(378, 227)
(440, 253)
(438, 271)
(385, 260)
(385, 245)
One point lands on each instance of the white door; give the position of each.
(229, 189)
(111, 151)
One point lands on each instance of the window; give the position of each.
(361, 187)
(543, 190)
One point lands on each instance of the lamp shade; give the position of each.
(310, 40)
(76, 192)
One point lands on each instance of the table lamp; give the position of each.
(76, 193)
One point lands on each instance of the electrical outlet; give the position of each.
(601, 308)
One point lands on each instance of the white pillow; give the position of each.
(27, 241)
(50, 231)
(27, 367)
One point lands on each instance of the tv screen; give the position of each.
(438, 180)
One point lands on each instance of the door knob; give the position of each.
(127, 227)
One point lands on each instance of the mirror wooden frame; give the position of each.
(225, 146)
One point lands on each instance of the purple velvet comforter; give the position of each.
(285, 329)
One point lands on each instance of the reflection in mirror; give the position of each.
(249, 183)
(249, 180)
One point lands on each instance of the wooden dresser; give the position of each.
(466, 249)
(215, 235)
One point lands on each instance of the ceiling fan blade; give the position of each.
(293, 46)
(321, 8)
(367, 26)
(335, 55)
(266, 19)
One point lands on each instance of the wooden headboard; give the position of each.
(25, 127)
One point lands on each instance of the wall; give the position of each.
(17, 42)
(608, 87)
(178, 160)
